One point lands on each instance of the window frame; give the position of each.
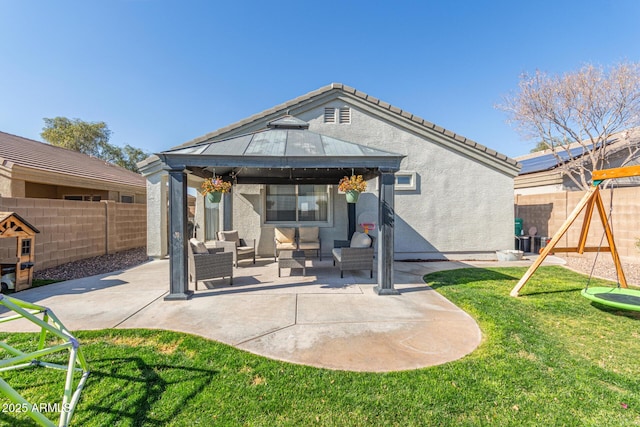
(406, 187)
(296, 222)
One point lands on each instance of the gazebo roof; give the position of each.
(286, 151)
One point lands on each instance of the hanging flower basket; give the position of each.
(213, 188)
(352, 186)
(352, 196)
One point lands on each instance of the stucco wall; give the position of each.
(157, 214)
(248, 206)
(459, 206)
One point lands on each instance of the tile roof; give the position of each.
(40, 156)
(339, 87)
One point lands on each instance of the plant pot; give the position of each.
(214, 197)
(352, 196)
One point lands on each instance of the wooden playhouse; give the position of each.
(17, 272)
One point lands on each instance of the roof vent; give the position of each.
(288, 122)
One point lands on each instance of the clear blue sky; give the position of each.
(160, 73)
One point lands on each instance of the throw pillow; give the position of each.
(230, 236)
(198, 247)
(285, 235)
(309, 234)
(360, 240)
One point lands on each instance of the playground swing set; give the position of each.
(622, 296)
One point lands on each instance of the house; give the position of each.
(451, 197)
(543, 172)
(32, 169)
(545, 196)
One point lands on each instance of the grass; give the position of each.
(548, 358)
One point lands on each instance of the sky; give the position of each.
(163, 72)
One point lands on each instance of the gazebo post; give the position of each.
(179, 273)
(351, 215)
(386, 219)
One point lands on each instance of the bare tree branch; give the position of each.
(581, 109)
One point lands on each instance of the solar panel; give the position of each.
(550, 161)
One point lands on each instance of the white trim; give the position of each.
(405, 187)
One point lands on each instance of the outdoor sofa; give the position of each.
(354, 254)
(208, 263)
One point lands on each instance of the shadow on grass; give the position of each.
(554, 291)
(135, 396)
(629, 314)
(466, 276)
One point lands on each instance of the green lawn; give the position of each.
(549, 358)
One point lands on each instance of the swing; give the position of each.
(621, 297)
(618, 297)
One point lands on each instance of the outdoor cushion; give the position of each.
(303, 246)
(287, 246)
(309, 234)
(337, 254)
(285, 235)
(230, 236)
(198, 247)
(245, 249)
(360, 240)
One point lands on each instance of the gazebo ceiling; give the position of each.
(285, 152)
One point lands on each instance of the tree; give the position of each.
(540, 146)
(581, 109)
(87, 138)
(91, 139)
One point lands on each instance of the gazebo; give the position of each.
(284, 153)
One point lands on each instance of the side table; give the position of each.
(292, 259)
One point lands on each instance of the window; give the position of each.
(405, 180)
(345, 115)
(297, 203)
(329, 115)
(126, 199)
(26, 247)
(83, 198)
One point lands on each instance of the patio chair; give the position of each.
(208, 263)
(240, 248)
(284, 239)
(309, 240)
(354, 254)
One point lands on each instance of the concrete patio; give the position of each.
(318, 320)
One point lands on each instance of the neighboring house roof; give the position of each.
(543, 169)
(545, 160)
(27, 153)
(367, 102)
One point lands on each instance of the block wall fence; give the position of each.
(73, 230)
(547, 212)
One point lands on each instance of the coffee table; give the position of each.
(292, 259)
